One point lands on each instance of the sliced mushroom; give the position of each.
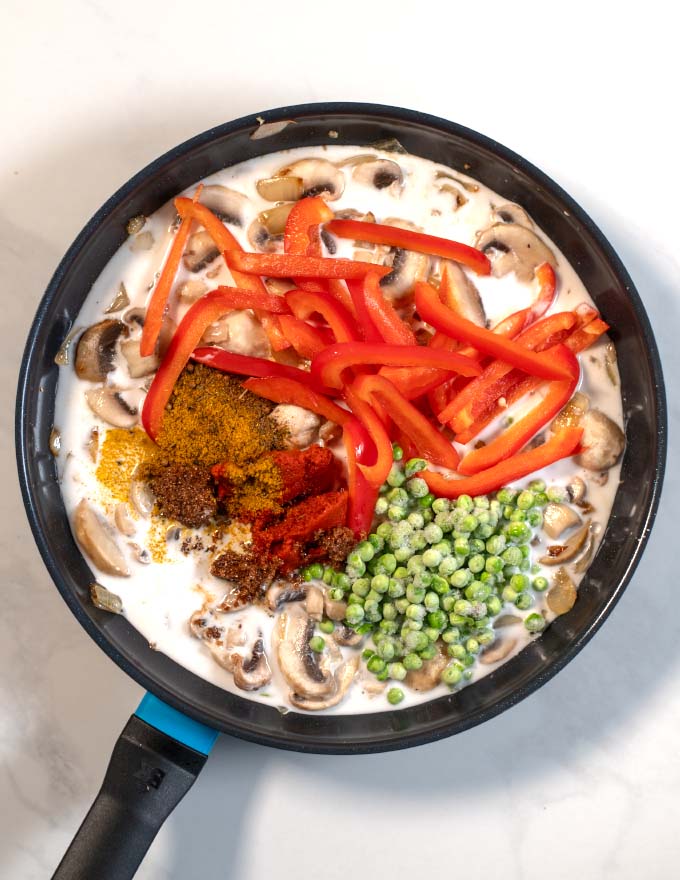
(253, 672)
(602, 442)
(191, 290)
(557, 518)
(576, 490)
(120, 301)
(319, 177)
(141, 497)
(506, 620)
(459, 200)
(557, 554)
(345, 635)
(230, 206)
(141, 554)
(407, 266)
(311, 675)
(110, 405)
(95, 538)
(467, 185)
(63, 357)
(239, 332)
(135, 317)
(123, 520)
(301, 425)
(135, 224)
(517, 249)
(611, 363)
(571, 415)
(200, 251)
(92, 444)
(429, 674)
(96, 350)
(280, 189)
(561, 596)
(511, 213)
(335, 610)
(265, 233)
(137, 365)
(344, 680)
(467, 300)
(280, 592)
(380, 173)
(55, 442)
(314, 602)
(586, 557)
(497, 651)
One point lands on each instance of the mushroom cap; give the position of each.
(230, 206)
(344, 680)
(319, 177)
(96, 351)
(512, 213)
(429, 674)
(109, 404)
(200, 251)
(602, 441)
(407, 266)
(520, 249)
(97, 540)
(468, 301)
(308, 673)
(563, 553)
(380, 173)
(557, 518)
(280, 189)
(252, 672)
(137, 365)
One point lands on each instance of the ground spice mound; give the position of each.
(212, 418)
(122, 452)
(185, 493)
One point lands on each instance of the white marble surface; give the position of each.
(580, 780)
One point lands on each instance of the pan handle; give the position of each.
(157, 757)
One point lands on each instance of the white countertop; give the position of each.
(580, 780)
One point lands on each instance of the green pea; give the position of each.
(458, 652)
(414, 465)
(401, 604)
(397, 671)
(451, 635)
(354, 614)
(509, 595)
(461, 547)
(415, 640)
(418, 541)
(494, 565)
(448, 566)
(327, 626)
(496, 544)
(556, 493)
(396, 588)
(433, 533)
(397, 452)
(461, 578)
(390, 627)
(482, 501)
(440, 585)
(403, 554)
(441, 505)
(337, 594)
(317, 644)
(386, 564)
(463, 607)
(485, 637)
(540, 584)
(478, 611)
(416, 519)
(377, 541)
(535, 517)
(381, 506)
(395, 513)
(432, 558)
(512, 556)
(464, 502)
(484, 531)
(534, 622)
(493, 605)
(398, 497)
(396, 477)
(506, 495)
(458, 619)
(518, 531)
(448, 602)
(426, 502)
(540, 499)
(429, 652)
(415, 593)
(525, 500)
(415, 612)
(386, 649)
(451, 675)
(524, 601)
(395, 695)
(412, 661)
(361, 586)
(417, 487)
(519, 582)
(437, 620)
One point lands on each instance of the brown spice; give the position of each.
(184, 493)
(250, 572)
(336, 543)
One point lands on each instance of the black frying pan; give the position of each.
(165, 743)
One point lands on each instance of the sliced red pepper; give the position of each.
(155, 311)
(424, 436)
(243, 365)
(518, 435)
(485, 341)
(547, 280)
(393, 236)
(362, 495)
(329, 365)
(375, 473)
(560, 445)
(187, 336)
(365, 325)
(293, 266)
(291, 391)
(303, 215)
(517, 384)
(305, 303)
(305, 339)
(483, 391)
(382, 314)
(225, 241)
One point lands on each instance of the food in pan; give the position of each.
(338, 429)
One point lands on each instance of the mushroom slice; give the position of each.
(123, 520)
(506, 620)
(517, 248)
(335, 610)
(576, 490)
(191, 290)
(587, 556)
(407, 266)
(138, 366)
(230, 206)
(561, 596)
(141, 497)
(63, 357)
(429, 674)
(280, 189)
(319, 177)
(239, 332)
(110, 405)
(468, 302)
(308, 673)
(497, 651)
(602, 442)
(458, 198)
(253, 672)
(344, 680)
(314, 602)
(98, 543)
(200, 251)
(559, 553)
(265, 233)
(467, 185)
(281, 592)
(511, 213)
(345, 635)
(96, 350)
(135, 317)
(571, 415)
(557, 518)
(611, 363)
(380, 173)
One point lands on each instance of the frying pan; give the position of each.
(164, 745)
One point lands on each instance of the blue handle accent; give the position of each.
(173, 723)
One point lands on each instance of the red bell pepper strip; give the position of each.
(305, 339)
(365, 325)
(243, 365)
(159, 298)
(375, 473)
(383, 315)
(485, 341)
(483, 391)
(284, 390)
(547, 280)
(362, 495)
(225, 241)
(393, 236)
(187, 336)
(328, 366)
(560, 445)
(304, 214)
(519, 434)
(305, 303)
(517, 384)
(293, 266)
(424, 436)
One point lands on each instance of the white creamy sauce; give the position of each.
(159, 598)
